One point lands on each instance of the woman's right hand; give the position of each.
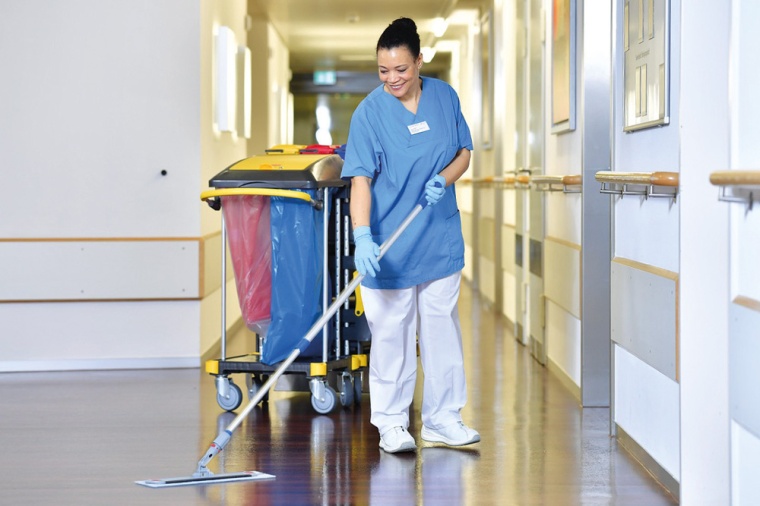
(366, 252)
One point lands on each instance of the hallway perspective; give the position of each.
(83, 438)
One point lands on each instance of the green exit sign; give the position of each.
(324, 77)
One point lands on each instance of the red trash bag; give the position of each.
(247, 220)
(318, 149)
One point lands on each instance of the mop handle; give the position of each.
(221, 441)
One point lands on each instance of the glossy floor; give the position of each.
(82, 438)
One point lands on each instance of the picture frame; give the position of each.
(563, 65)
(645, 27)
(487, 79)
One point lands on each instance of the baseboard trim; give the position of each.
(564, 378)
(658, 472)
(99, 364)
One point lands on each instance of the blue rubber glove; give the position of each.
(365, 252)
(434, 193)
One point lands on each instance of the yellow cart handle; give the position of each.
(359, 307)
(228, 192)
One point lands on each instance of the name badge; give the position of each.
(418, 128)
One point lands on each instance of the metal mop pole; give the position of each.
(222, 439)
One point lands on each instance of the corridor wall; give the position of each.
(106, 141)
(742, 299)
(563, 234)
(645, 270)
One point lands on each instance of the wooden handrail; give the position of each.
(638, 178)
(556, 183)
(643, 183)
(735, 178)
(489, 181)
(737, 185)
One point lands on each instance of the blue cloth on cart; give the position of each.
(297, 272)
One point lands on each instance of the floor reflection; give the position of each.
(100, 431)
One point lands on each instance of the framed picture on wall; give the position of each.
(646, 63)
(486, 73)
(563, 65)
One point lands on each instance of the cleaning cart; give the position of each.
(285, 220)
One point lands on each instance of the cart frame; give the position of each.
(338, 366)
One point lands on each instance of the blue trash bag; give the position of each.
(297, 272)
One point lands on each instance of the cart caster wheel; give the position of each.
(346, 391)
(358, 388)
(233, 400)
(327, 404)
(254, 384)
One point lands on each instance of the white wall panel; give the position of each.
(744, 372)
(487, 278)
(510, 296)
(464, 197)
(646, 407)
(509, 209)
(87, 270)
(647, 231)
(467, 271)
(123, 333)
(745, 461)
(563, 338)
(486, 202)
(744, 311)
(745, 253)
(703, 276)
(562, 275)
(643, 309)
(745, 150)
(563, 216)
(104, 96)
(508, 249)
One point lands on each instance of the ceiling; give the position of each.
(342, 34)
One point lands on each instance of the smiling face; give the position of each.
(399, 71)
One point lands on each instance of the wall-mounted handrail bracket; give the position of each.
(642, 184)
(552, 183)
(737, 186)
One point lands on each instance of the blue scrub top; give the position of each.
(381, 146)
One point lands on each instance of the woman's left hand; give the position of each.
(434, 193)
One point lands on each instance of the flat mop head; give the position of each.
(206, 480)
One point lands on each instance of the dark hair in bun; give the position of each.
(402, 32)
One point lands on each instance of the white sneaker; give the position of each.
(457, 434)
(397, 440)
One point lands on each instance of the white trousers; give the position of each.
(396, 318)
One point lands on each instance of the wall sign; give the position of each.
(563, 65)
(646, 46)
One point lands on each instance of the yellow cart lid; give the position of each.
(282, 171)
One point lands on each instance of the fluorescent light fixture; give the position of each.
(324, 137)
(226, 79)
(324, 121)
(440, 25)
(428, 53)
(244, 91)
